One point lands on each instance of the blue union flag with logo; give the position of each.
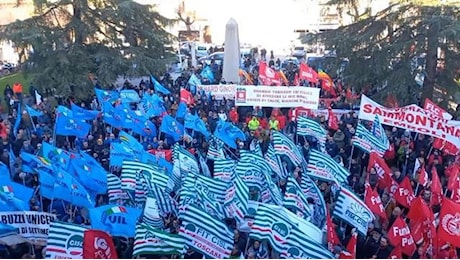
(115, 220)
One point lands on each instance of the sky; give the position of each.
(260, 22)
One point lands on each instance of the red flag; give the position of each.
(416, 228)
(452, 173)
(404, 195)
(373, 201)
(449, 222)
(399, 235)
(382, 169)
(307, 73)
(186, 97)
(332, 237)
(445, 146)
(419, 210)
(436, 110)
(351, 248)
(98, 245)
(296, 80)
(396, 253)
(423, 176)
(436, 189)
(328, 86)
(456, 191)
(332, 121)
(268, 75)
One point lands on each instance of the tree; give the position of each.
(71, 39)
(387, 51)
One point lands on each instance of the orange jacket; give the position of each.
(17, 88)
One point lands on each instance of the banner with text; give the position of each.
(30, 224)
(413, 118)
(226, 91)
(274, 96)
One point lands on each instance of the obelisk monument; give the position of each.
(232, 57)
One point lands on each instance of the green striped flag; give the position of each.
(272, 225)
(205, 233)
(300, 246)
(149, 240)
(236, 201)
(295, 200)
(65, 241)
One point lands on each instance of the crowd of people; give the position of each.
(257, 125)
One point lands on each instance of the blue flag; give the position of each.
(130, 142)
(139, 124)
(106, 95)
(19, 191)
(93, 179)
(158, 87)
(4, 172)
(120, 152)
(32, 112)
(84, 114)
(8, 202)
(67, 125)
(228, 133)
(197, 124)
(115, 220)
(17, 123)
(181, 110)
(64, 186)
(208, 74)
(112, 115)
(31, 163)
(171, 127)
(162, 162)
(152, 105)
(129, 96)
(57, 156)
(194, 80)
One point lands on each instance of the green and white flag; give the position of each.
(149, 240)
(65, 241)
(205, 233)
(295, 200)
(271, 224)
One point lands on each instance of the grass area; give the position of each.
(13, 78)
(10, 80)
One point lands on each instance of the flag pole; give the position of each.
(55, 126)
(416, 188)
(351, 157)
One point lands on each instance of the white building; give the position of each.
(11, 12)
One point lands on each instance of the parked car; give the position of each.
(6, 68)
(202, 50)
(290, 60)
(299, 52)
(218, 57)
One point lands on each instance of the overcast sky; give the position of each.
(261, 22)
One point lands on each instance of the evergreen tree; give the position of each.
(409, 40)
(65, 41)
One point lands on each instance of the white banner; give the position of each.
(274, 96)
(413, 118)
(219, 91)
(32, 225)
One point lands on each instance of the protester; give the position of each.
(45, 146)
